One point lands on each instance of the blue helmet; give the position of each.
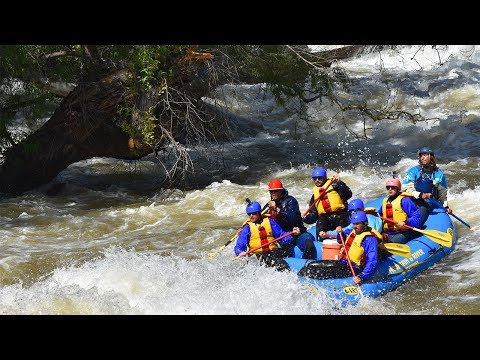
(358, 216)
(253, 207)
(355, 204)
(319, 172)
(425, 150)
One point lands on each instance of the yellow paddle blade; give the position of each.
(397, 249)
(212, 254)
(439, 237)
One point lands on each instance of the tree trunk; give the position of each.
(82, 127)
(344, 52)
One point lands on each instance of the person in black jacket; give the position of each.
(284, 209)
(328, 204)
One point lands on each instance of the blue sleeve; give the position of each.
(277, 232)
(439, 178)
(413, 212)
(380, 210)
(411, 175)
(242, 240)
(370, 249)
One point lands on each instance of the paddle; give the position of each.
(436, 202)
(318, 198)
(214, 253)
(266, 244)
(394, 248)
(439, 237)
(350, 263)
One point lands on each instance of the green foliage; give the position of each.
(128, 128)
(22, 69)
(153, 65)
(149, 128)
(287, 74)
(25, 69)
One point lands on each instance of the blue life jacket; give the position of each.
(424, 185)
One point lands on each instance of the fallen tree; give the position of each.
(129, 101)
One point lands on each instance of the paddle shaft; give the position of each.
(229, 241)
(213, 254)
(350, 263)
(436, 202)
(405, 225)
(266, 244)
(394, 248)
(317, 199)
(463, 222)
(244, 223)
(439, 237)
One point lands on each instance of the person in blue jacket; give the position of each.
(426, 181)
(399, 208)
(361, 250)
(258, 235)
(284, 209)
(354, 205)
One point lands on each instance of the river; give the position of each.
(110, 241)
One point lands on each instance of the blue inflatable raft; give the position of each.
(392, 270)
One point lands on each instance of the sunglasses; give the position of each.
(391, 187)
(278, 190)
(318, 178)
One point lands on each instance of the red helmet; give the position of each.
(275, 184)
(394, 182)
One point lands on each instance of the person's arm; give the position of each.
(289, 213)
(440, 182)
(380, 211)
(264, 207)
(343, 190)
(312, 215)
(277, 232)
(242, 241)
(408, 182)
(335, 232)
(344, 235)
(370, 249)
(413, 212)
(442, 195)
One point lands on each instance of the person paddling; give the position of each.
(400, 209)
(284, 209)
(262, 230)
(425, 181)
(331, 196)
(361, 252)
